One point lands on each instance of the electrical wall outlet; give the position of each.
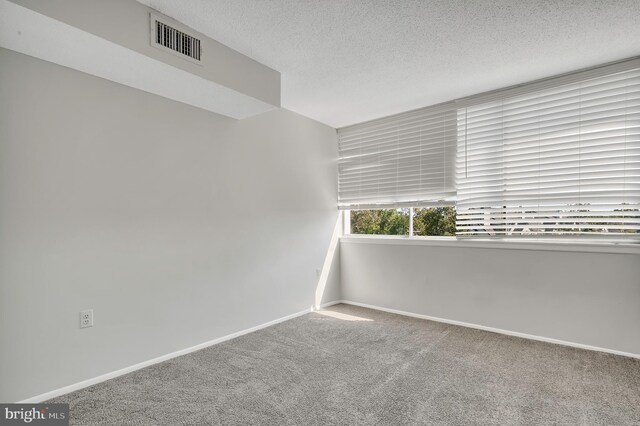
(86, 318)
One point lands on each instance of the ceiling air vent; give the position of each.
(168, 38)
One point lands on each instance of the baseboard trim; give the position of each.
(494, 330)
(104, 377)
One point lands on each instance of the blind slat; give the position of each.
(407, 158)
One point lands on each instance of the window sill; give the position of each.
(529, 244)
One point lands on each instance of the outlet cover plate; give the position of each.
(86, 318)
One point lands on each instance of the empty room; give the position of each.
(329, 212)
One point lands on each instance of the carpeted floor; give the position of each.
(354, 366)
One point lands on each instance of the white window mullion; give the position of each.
(411, 222)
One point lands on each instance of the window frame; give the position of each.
(410, 234)
(556, 244)
(623, 248)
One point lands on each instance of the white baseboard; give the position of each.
(104, 377)
(494, 330)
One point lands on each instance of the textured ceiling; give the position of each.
(343, 62)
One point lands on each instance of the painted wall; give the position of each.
(586, 298)
(175, 225)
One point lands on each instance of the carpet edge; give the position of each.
(494, 330)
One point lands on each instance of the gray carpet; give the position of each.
(330, 368)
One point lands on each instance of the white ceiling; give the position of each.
(343, 62)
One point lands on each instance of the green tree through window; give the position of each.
(380, 222)
(435, 221)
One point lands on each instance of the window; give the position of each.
(559, 160)
(556, 157)
(380, 222)
(434, 221)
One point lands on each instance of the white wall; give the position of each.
(175, 225)
(586, 298)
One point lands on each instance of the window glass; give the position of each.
(427, 222)
(434, 221)
(380, 222)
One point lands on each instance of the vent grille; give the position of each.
(177, 41)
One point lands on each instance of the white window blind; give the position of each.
(404, 160)
(559, 157)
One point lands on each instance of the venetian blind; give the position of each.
(560, 157)
(403, 160)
